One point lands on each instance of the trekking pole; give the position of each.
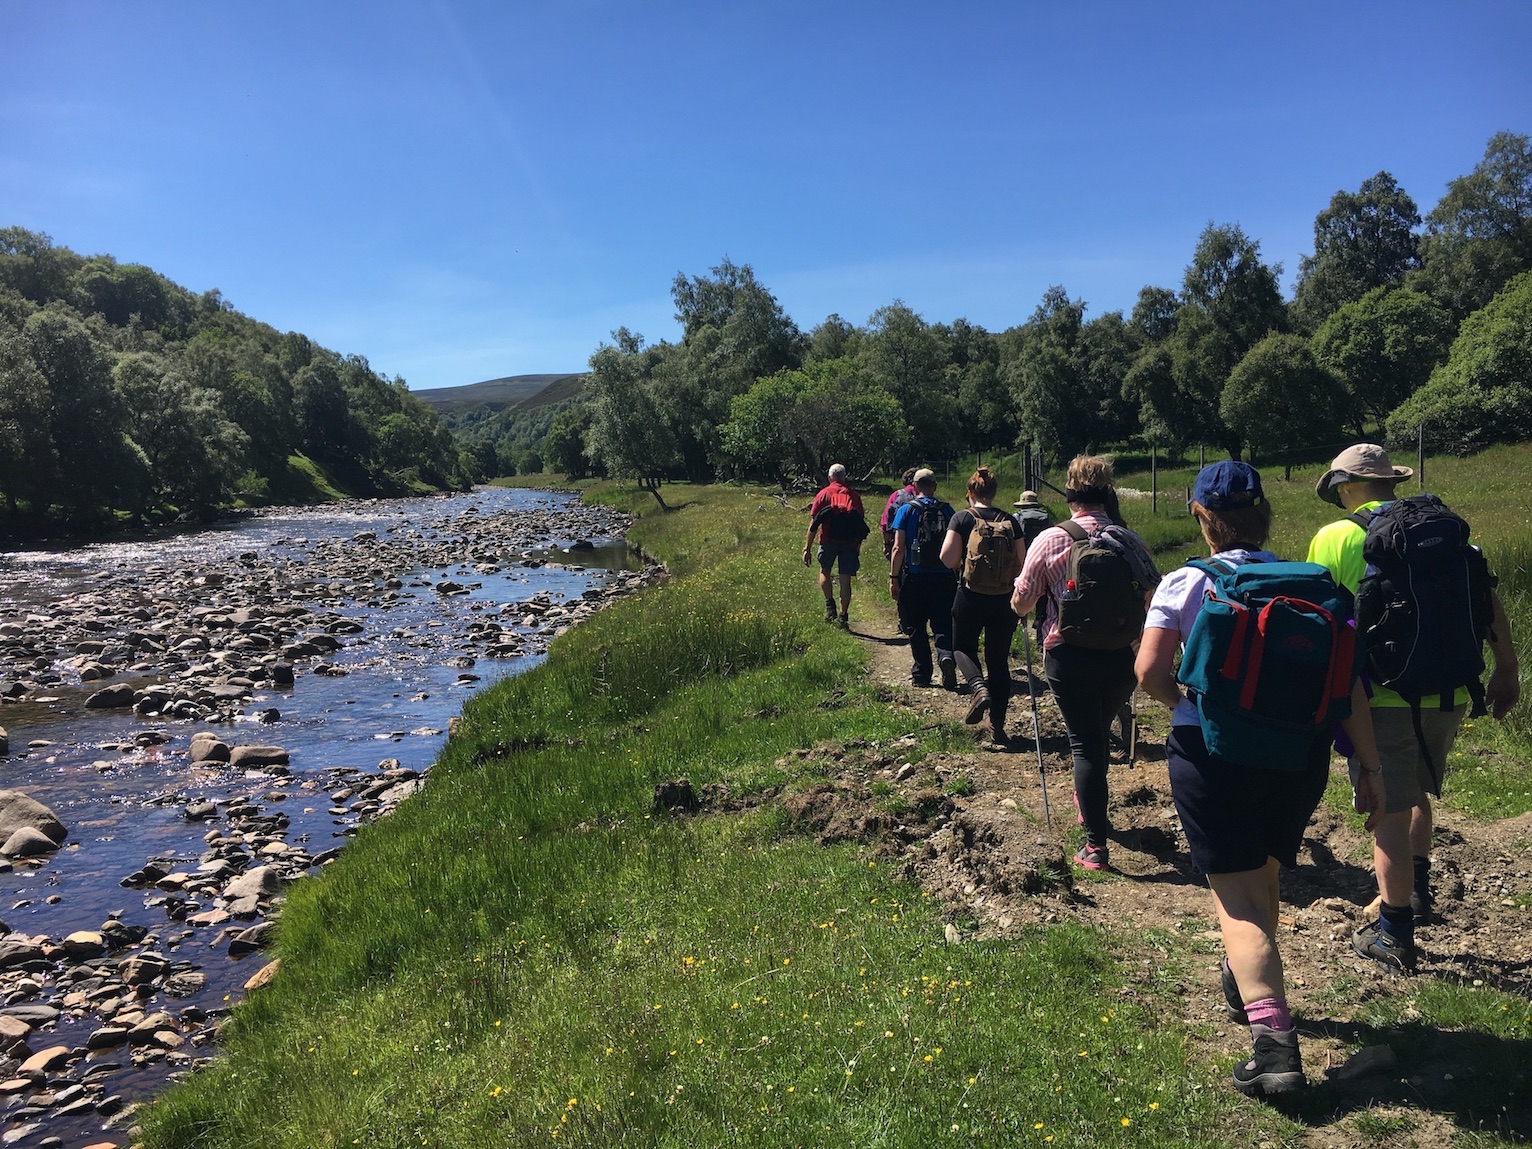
(1037, 734)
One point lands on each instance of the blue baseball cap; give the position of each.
(1227, 485)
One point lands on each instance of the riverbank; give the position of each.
(277, 686)
(615, 914)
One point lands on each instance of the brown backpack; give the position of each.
(990, 565)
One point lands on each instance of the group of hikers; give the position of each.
(1374, 646)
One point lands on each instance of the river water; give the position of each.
(388, 694)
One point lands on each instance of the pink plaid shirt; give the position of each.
(1042, 575)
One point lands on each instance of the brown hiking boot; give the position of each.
(979, 706)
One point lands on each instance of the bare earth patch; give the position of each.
(970, 828)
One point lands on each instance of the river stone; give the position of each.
(258, 756)
(112, 698)
(201, 811)
(47, 1059)
(207, 747)
(248, 941)
(18, 951)
(84, 944)
(140, 969)
(107, 1037)
(12, 1030)
(260, 882)
(264, 976)
(17, 810)
(28, 843)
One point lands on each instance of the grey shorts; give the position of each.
(1406, 776)
(849, 555)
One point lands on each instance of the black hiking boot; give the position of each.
(1231, 994)
(829, 611)
(1275, 1065)
(948, 666)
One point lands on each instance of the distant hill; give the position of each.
(496, 394)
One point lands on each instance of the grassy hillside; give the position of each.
(496, 394)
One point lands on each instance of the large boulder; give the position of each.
(257, 756)
(112, 698)
(18, 811)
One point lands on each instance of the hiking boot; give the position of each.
(1091, 857)
(1373, 941)
(948, 666)
(1275, 1065)
(829, 611)
(920, 676)
(979, 706)
(843, 621)
(1422, 904)
(1231, 994)
(997, 734)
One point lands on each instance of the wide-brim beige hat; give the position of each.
(1028, 499)
(1364, 463)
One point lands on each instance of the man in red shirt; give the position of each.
(836, 513)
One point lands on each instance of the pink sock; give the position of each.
(1270, 1012)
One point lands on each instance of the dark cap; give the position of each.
(1227, 485)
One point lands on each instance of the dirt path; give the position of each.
(997, 867)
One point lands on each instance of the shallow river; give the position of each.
(386, 694)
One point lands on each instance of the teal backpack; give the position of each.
(1270, 661)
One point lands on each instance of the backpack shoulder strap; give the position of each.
(1360, 519)
(1074, 530)
(1215, 568)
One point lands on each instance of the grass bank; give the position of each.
(530, 953)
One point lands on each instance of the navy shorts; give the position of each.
(1235, 817)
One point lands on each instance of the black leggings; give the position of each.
(992, 615)
(1090, 686)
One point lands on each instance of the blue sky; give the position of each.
(460, 190)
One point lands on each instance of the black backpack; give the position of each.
(1105, 584)
(930, 532)
(1424, 607)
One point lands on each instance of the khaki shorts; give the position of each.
(1406, 776)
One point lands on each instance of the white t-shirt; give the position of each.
(1175, 605)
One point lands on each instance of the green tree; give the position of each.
(1362, 241)
(906, 357)
(1480, 234)
(1483, 393)
(1384, 345)
(1045, 378)
(564, 445)
(1279, 401)
(797, 422)
(193, 451)
(33, 266)
(27, 459)
(628, 431)
(1230, 302)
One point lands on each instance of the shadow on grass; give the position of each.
(1477, 1080)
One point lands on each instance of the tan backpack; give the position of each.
(990, 566)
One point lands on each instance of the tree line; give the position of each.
(123, 396)
(1413, 326)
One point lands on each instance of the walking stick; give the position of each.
(1037, 734)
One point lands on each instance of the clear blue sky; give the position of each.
(463, 189)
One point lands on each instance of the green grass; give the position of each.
(529, 952)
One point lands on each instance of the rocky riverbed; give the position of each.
(191, 725)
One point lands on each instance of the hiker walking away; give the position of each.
(836, 513)
(1414, 730)
(985, 546)
(1243, 821)
(1035, 519)
(896, 500)
(921, 585)
(1033, 516)
(1095, 577)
